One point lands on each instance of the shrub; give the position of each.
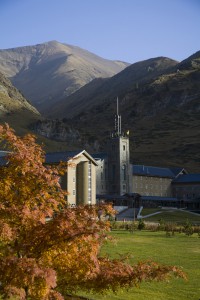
(161, 224)
(152, 226)
(141, 224)
(188, 228)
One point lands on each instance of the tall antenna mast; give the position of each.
(118, 120)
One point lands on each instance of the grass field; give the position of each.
(171, 215)
(179, 250)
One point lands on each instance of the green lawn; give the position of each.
(147, 211)
(179, 250)
(172, 216)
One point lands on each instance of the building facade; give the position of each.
(154, 181)
(101, 173)
(113, 171)
(118, 164)
(186, 188)
(79, 179)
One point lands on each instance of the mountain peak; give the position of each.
(50, 71)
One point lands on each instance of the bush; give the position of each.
(152, 226)
(132, 226)
(170, 228)
(141, 224)
(188, 228)
(161, 224)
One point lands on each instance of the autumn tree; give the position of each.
(47, 249)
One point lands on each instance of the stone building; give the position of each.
(154, 181)
(113, 170)
(120, 181)
(186, 188)
(80, 178)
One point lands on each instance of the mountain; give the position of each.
(47, 72)
(159, 103)
(14, 108)
(103, 90)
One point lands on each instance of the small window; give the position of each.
(124, 148)
(74, 192)
(124, 172)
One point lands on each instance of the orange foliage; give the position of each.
(47, 258)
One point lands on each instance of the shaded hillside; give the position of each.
(104, 90)
(162, 113)
(14, 108)
(45, 73)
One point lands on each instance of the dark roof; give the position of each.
(152, 171)
(109, 197)
(158, 198)
(187, 178)
(100, 155)
(177, 171)
(56, 157)
(147, 198)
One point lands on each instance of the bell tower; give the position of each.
(118, 159)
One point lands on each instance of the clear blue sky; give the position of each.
(127, 30)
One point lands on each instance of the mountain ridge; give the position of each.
(49, 71)
(159, 101)
(100, 90)
(163, 111)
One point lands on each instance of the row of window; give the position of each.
(144, 178)
(152, 186)
(160, 194)
(89, 182)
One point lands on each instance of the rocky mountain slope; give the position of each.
(159, 103)
(14, 108)
(103, 91)
(46, 73)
